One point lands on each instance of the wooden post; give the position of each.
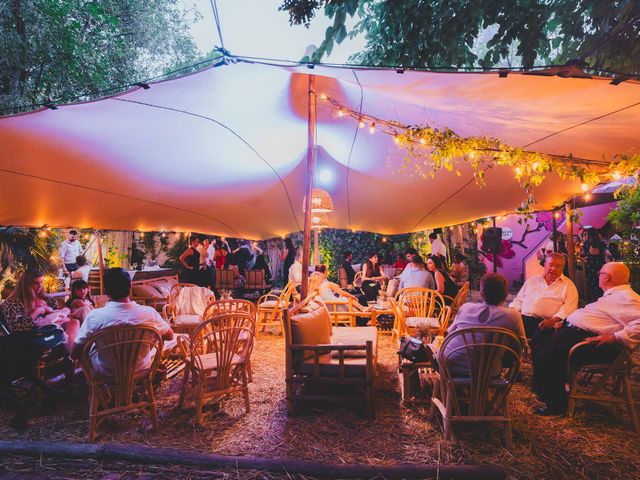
(570, 249)
(495, 254)
(555, 230)
(316, 252)
(311, 160)
(100, 261)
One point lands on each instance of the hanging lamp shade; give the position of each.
(319, 220)
(321, 201)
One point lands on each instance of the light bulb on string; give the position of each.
(518, 171)
(396, 139)
(557, 215)
(341, 113)
(323, 96)
(423, 141)
(141, 234)
(587, 196)
(372, 128)
(584, 187)
(361, 124)
(616, 175)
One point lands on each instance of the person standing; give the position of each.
(288, 256)
(594, 251)
(69, 250)
(438, 248)
(190, 259)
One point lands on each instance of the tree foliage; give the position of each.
(626, 219)
(483, 33)
(56, 50)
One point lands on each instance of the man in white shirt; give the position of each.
(437, 247)
(416, 275)
(69, 250)
(609, 324)
(295, 271)
(546, 300)
(119, 311)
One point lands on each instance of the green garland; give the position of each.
(429, 149)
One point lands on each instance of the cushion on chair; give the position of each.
(268, 304)
(186, 320)
(354, 336)
(423, 322)
(330, 367)
(146, 291)
(311, 328)
(163, 287)
(210, 360)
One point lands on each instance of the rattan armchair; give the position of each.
(418, 308)
(605, 382)
(128, 387)
(460, 299)
(181, 320)
(490, 360)
(271, 307)
(216, 358)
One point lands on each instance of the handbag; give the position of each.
(413, 349)
(46, 337)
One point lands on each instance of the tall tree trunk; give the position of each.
(20, 76)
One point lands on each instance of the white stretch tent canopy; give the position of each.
(224, 150)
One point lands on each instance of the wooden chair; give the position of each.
(343, 280)
(231, 306)
(490, 360)
(184, 321)
(320, 367)
(343, 312)
(128, 387)
(225, 279)
(256, 281)
(272, 306)
(436, 325)
(216, 358)
(417, 308)
(608, 382)
(461, 298)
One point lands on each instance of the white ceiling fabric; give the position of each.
(224, 150)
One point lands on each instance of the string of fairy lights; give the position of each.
(430, 149)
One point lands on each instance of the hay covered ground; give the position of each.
(596, 444)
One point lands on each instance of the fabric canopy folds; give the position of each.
(223, 150)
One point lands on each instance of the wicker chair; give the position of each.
(272, 306)
(216, 358)
(230, 306)
(608, 382)
(185, 321)
(343, 280)
(436, 325)
(461, 298)
(480, 393)
(343, 312)
(113, 394)
(418, 308)
(256, 281)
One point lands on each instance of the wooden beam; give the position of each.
(316, 251)
(138, 454)
(570, 248)
(311, 161)
(100, 261)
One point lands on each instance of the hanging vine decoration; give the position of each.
(430, 149)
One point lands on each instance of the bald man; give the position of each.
(609, 324)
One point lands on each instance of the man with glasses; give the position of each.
(70, 249)
(609, 324)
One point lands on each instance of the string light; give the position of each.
(518, 171)
(323, 96)
(616, 175)
(163, 235)
(341, 113)
(423, 141)
(396, 139)
(384, 239)
(141, 234)
(587, 196)
(43, 234)
(557, 215)
(372, 128)
(86, 236)
(584, 187)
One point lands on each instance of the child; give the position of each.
(80, 303)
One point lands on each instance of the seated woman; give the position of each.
(459, 270)
(444, 284)
(80, 303)
(28, 308)
(491, 313)
(329, 291)
(372, 277)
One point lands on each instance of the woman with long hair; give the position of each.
(190, 259)
(288, 256)
(80, 302)
(444, 283)
(323, 290)
(372, 276)
(29, 308)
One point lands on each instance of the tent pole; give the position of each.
(316, 256)
(495, 254)
(100, 261)
(306, 244)
(555, 230)
(570, 249)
